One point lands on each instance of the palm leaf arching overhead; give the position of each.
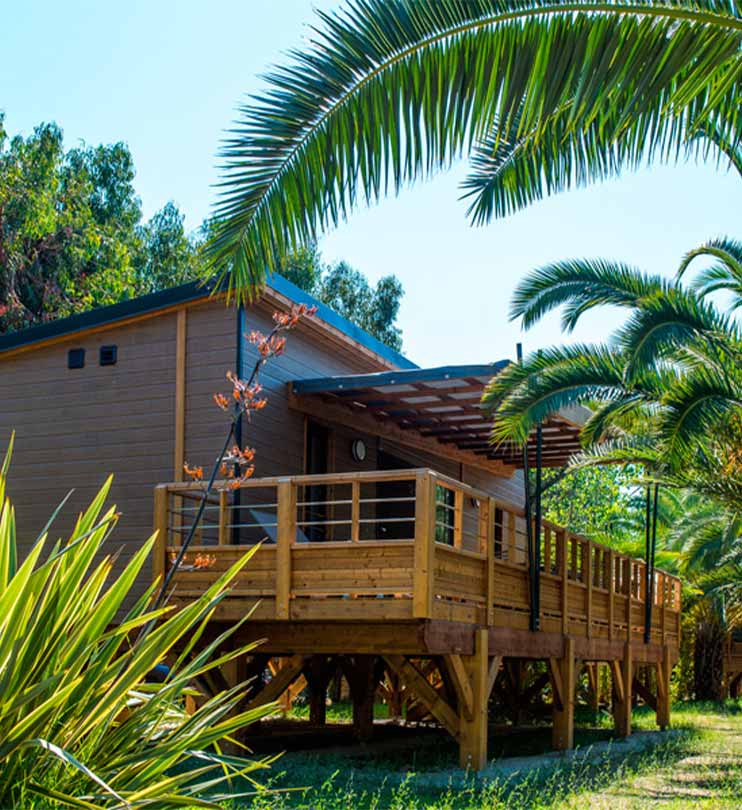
(389, 91)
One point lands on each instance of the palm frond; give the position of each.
(725, 275)
(525, 394)
(509, 173)
(665, 322)
(580, 285)
(389, 91)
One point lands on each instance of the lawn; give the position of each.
(698, 765)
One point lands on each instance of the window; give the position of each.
(76, 358)
(108, 355)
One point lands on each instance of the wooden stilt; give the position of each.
(473, 726)
(563, 710)
(663, 669)
(361, 675)
(623, 678)
(318, 672)
(593, 686)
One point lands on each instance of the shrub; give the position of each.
(79, 724)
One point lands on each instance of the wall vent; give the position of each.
(76, 358)
(108, 355)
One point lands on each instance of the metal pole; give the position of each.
(652, 508)
(647, 575)
(536, 607)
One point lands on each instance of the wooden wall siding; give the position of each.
(278, 432)
(75, 426)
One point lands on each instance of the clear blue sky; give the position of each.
(166, 77)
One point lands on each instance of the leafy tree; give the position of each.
(168, 255)
(71, 236)
(348, 292)
(599, 502)
(541, 94)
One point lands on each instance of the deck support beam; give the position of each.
(318, 673)
(279, 683)
(622, 673)
(473, 726)
(593, 686)
(563, 684)
(362, 675)
(663, 670)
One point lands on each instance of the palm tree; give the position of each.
(666, 390)
(541, 94)
(706, 540)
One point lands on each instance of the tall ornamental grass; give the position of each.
(80, 725)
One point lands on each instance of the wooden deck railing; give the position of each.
(402, 545)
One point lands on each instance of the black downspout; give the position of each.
(647, 554)
(239, 371)
(650, 553)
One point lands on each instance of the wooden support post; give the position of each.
(593, 686)
(664, 670)
(489, 538)
(511, 554)
(361, 675)
(159, 550)
(181, 329)
(286, 536)
(318, 672)
(562, 550)
(588, 576)
(547, 550)
(564, 715)
(662, 591)
(473, 729)
(223, 517)
(458, 518)
(355, 511)
(422, 586)
(622, 673)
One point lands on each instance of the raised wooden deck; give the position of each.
(413, 563)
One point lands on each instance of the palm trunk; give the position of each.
(708, 659)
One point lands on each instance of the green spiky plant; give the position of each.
(79, 724)
(541, 94)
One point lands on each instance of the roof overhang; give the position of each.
(277, 292)
(440, 406)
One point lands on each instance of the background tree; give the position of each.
(348, 292)
(71, 231)
(72, 237)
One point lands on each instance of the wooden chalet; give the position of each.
(395, 540)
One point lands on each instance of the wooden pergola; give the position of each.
(444, 404)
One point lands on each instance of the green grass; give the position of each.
(699, 767)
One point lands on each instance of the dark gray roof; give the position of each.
(183, 294)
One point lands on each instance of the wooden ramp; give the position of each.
(415, 582)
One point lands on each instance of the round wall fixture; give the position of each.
(358, 450)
